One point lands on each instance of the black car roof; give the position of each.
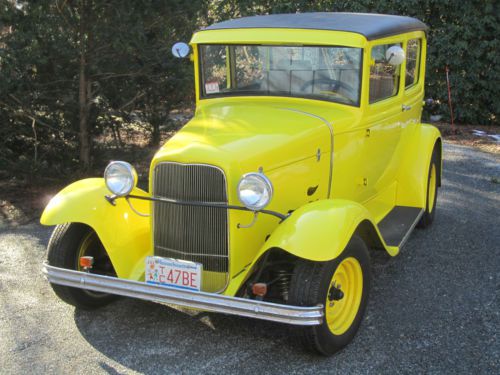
(370, 25)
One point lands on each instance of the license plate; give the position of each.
(173, 272)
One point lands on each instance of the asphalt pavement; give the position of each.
(435, 308)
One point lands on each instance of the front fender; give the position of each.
(320, 231)
(125, 235)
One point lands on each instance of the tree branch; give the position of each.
(131, 101)
(25, 113)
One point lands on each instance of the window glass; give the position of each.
(328, 73)
(215, 69)
(384, 77)
(412, 62)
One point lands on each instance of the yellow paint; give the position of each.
(348, 277)
(319, 230)
(124, 234)
(279, 37)
(414, 165)
(380, 155)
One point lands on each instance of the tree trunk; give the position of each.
(84, 117)
(84, 93)
(155, 136)
(155, 119)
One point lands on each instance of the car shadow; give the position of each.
(148, 338)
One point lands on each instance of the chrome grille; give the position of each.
(193, 233)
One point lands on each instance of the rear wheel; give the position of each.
(67, 244)
(342, 285)
(432, 191)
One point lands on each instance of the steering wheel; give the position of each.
(335, 85)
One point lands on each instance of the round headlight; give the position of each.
(255, 191)
(120, 178)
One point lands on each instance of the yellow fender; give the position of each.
(125, 235)
(412, 180)
(320, 231)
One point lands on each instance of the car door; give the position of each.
(383, 122)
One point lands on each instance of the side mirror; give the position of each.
(395, 55)
(180, 50)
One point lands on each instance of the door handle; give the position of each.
(405, 107)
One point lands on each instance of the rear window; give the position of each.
(412, 62)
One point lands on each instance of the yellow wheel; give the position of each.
(344, 296)
(67, 244)
(432, 192)
(342, 286)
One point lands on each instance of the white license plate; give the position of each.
(172, 272)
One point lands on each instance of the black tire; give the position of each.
(310, 286)
(63, 251)
(430, 207)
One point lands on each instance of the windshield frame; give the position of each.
(203, 96)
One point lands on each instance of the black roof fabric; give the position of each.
(370, 25)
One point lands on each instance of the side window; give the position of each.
(384, 77)
(412, 62)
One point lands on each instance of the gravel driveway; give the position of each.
(433, 309)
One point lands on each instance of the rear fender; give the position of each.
(125, 235)
(412, 180)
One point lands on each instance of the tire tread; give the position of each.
(302, 296)
(307, 288)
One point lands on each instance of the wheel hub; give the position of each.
(335, 293)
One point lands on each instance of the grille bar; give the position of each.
(194, 233)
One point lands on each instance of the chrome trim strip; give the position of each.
(407, 235)
(297, 315)
(330, 128)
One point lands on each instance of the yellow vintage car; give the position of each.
(306, 154)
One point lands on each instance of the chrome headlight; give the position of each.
(255, 191)
(120, 178)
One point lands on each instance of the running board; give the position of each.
(398, 224)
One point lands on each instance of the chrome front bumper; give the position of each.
(297, 315)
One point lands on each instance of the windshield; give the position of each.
(326, 73)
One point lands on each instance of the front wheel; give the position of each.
(342, 285)
(67, 244)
